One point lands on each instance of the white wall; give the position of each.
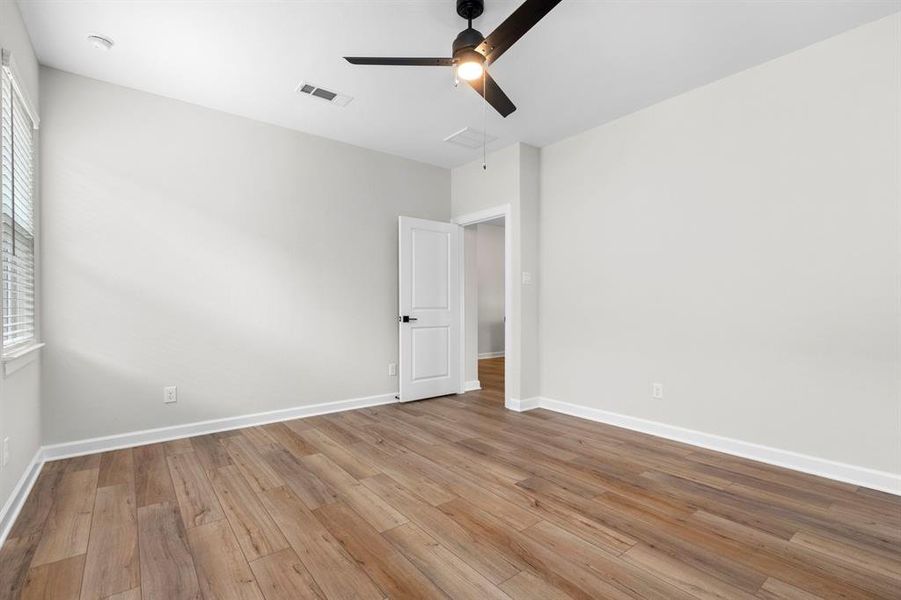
(739, 244)
(20, 406)
(490, 268)
(254, 267)
(511, 178)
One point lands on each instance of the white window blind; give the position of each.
(18, 227)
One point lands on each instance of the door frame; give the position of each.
(489, 214)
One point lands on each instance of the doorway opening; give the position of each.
(485, 307)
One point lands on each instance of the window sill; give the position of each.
(14, 361)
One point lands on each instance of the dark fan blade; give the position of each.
(508, 33)
(400, 62)
(495, 96)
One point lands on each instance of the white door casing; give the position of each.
(429, 276)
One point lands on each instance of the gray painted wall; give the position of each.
(740, 245)
(490, 266)
(253, 266)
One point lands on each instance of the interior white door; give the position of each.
(430, 311)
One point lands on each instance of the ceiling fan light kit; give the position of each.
(472, 53)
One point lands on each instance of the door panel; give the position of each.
(431, 251)
(429, 276)
(431, 354)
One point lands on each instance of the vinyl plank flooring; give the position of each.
(222, 570)
(15, 558)
(387, 567)
(560, 558)
(448, 571)
(196, 498)
(82, 463)
(68, 525)
(112, 564)
(452, 497)
(773, 589)
(324, 425)
(179, 446)
(504, 501)
(375, 510)
(364, 427)
(36, 510)
(313, 491)
(153, 483)
(793, 564)
(679, 575)
(116, 467)
(167, 566)
(289, 440)
(850, 555)
(257, 534)
(60, 580)
(441, 527)
(132, 594)
(528, 586)
(252, 465)
(398, 468)
(210, 452)
(333, 569)
(282, 576)
(261, 440)
(354, 464)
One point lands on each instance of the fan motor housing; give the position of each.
(467, 39)
(470, 9)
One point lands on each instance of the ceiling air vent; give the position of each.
(314, 91)
(469, 138)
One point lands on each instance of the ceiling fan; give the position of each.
(472, 52)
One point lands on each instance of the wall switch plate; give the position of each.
(526, 278)
(5, 452)
(170, 394)
(392, 369)
(657, 391)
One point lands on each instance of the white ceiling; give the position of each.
(586, 63)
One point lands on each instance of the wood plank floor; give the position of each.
(453, 497)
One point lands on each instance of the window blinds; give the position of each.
(16, 186)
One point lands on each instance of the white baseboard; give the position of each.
(856, 475)
(164, 434)
(522, 405)
(471, 386)
(491, 355)
(16, 500)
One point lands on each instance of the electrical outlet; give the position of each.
(526, 278)
(5, 452)
(170, 394)
(657, 391)
(392, 369)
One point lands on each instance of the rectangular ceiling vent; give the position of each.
(469, 138)
(314, 91)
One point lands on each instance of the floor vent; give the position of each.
(314, 91)
(469, 138)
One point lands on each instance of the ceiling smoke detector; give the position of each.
(314, 91)
(470, 138)
(100, 42)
